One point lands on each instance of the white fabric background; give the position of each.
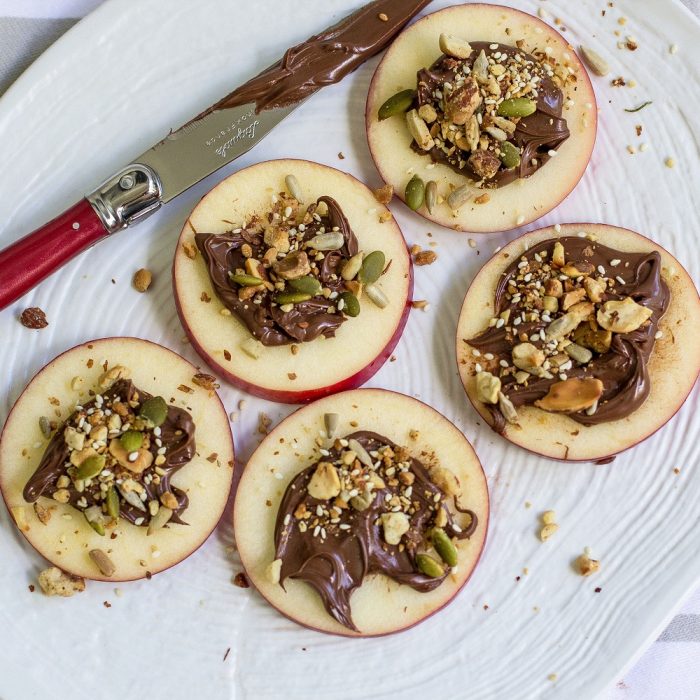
(670, 668)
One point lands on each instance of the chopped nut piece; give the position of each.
(142, 280)
(571, 298)
(563, 325)
(623, 316)
(526, 356)
(487, 387)
(598, 341)
(73, 438)
(324, 482)
(427, 113)
(42, 513)
(594, 289)
(553, 288)
(547, 531)
(578, 269)
(484, 163)
(169, 500)
(419, 130)
(454, 46)
(206, 381)
(273, 571)
(144, 457)
(463, 102)
(54, 582)
(190, 250)
(384, 194)
(395, 526)
(425, 257)
(34, 318)
(277, 237)
(293, 266)
(586, 565)
(558, 258)
(572, 395)
(112, 375)
(548, 517)
(445, 480)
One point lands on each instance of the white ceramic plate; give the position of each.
(119, 81)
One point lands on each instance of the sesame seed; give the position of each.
(478, 368)
(500, 323)
(488, 356)
(475, 352)
(620, 280)
(658, 335)
(615, 262)
(551, 153)
(562, 377)
(278, 476)
(287, 518)
(493, 47)
(503, 363)
(557, 228)
(317, 529)
(520, 220)
(631, 150)
(673, 48)
(133, 456)
(601, 269)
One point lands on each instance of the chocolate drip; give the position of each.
(269, 324)
(177, 436)
(336, 566)
(536, 135)
(623, 368)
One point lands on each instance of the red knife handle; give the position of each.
(33, 258)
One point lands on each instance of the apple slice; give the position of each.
(320, 367)
(673, 365)
(64, 536)
(380, 605)
(488, 210)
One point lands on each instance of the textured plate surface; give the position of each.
(117, 83)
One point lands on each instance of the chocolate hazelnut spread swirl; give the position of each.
(535, 135)
(325, 58)
(269, 322)
(620, 298)
(173, 441)
(334, 543)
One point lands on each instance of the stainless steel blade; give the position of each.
(198, 149)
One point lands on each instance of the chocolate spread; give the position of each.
(536, 135)
(176, 435)
(325, 58)
(354, 547)
(266, 321)
(623, 368)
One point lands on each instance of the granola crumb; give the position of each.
(384, 194)
(190, 250)
(264, 423)
(241, 580)
(673, 49)
(341, 156)
(54, 582)
(415, 249)
(552, 677)
(425, 257)
(670, 162)
(242, 404)
(33, 317)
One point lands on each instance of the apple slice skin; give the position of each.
(220, 478)
(303, 425)
(461, 20)
(361, 202)
(552, 435)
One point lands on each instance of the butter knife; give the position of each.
(228, 129)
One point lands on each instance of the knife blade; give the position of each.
(217, 136)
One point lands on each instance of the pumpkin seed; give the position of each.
(510, 154)
(594, 61)
(429, 566)
(131, 440)
(372, 267)
(361, 452)
(112, 503)
(294, 188)
(45, 426)
(90, 467)
(377, 296)
(415, 193)
(307, 285)
(430, 196)
(327, 241)
(397, 104)
(154, 410)
(291, 298)
(102, 562)
(352, 267)
(517, 107)
(159, 520)
(351, 306)
(93, 515)
(459, 197)
(331, 420)
(245, 280)
(444, 546)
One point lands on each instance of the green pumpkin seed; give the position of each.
(352, 267)
(131, 440)
(429, 566)
(112, 503)
(517, 107)
(415, 193)
(372, 267)
(90, 467)
(93, 515)
(430, 196)
(397, 104)
(155, 410)
(159, 520)
(291, 298)
(245, 280)
(98, 527)
(510, 154)
(307, 285)
(350, 306)
(444, 546)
